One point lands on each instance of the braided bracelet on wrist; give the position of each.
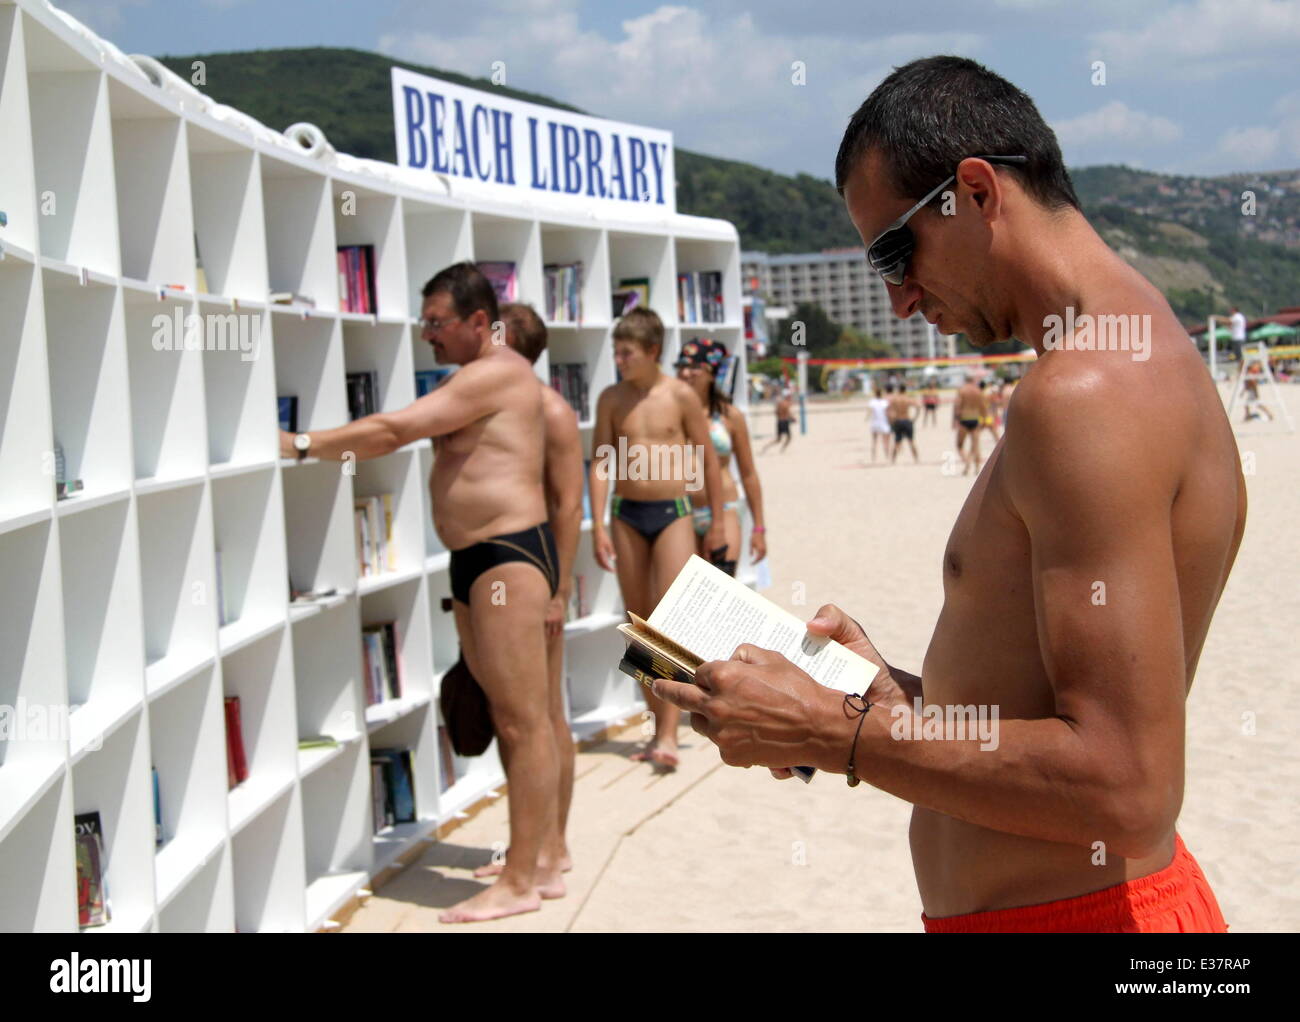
(862, 711)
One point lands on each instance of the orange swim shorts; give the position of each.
(1176, 899)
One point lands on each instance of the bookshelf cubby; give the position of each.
(187, 739)
(248, 525)
(646, 257)
(114, 781)
(101, 594)
(366, 217)
(17, 174)
(89, 388)
(151, 167)
(26, 454)
(269, 868)
(586, 246)
(206, 902)
(33, 672)
(110, 610)
(512, 240)
(261, 676)
(382, 348)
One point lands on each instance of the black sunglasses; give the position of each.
(893, 247)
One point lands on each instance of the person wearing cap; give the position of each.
(698, 365)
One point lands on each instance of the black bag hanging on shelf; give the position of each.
(465, 711)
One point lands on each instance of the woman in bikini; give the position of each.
(698, 366)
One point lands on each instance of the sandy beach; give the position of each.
(723, 849)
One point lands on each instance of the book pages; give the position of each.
(710, 613)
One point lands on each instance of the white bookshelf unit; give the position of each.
(110, 600)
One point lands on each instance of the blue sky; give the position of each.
(1191, 86)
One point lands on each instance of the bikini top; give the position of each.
(721, 436)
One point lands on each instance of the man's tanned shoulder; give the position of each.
(1075, 437)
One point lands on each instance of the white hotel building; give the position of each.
(841, 283)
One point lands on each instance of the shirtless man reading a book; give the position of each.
(651, 436)
(1080, 577)
(489, 509)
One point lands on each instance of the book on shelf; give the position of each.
(381, 814)
(356, 266)
(157, 810)
(381, 662)
(570, 379)
(578, 606)
(236, 761)
(311, 595)
(290, 298)
(317, 742)
(706, 614)
(63, 486)
(688, 309)
(563, 292)
(287, 405)
(586, 489)
(363, 393)
(361, 529)
(503, 278)
(636, 291)
(398, 783)
(447, 760)
(93, 908)
(726, 380)
(623, 301)
(376, 550)
(427, 380)
(200, 276)
(699, 296)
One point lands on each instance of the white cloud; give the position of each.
(1116, 122)
(1205, 39)
(1256, 144)
(1250, 145)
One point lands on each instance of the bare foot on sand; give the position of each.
(550, 883)
(664, 759)
(497, 902)
(493, 869)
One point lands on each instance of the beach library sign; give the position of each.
(509, 150)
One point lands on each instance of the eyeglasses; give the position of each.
(888, 255)
(435, 325)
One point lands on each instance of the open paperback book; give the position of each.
(706, 614)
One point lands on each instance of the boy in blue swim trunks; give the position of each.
(652, 439)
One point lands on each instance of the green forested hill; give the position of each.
(1187, 234)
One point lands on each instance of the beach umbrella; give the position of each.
(1271, 330)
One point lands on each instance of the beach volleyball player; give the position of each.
(1080, 577)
